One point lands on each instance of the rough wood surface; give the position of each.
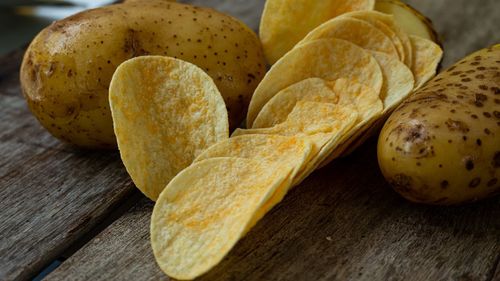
(50, 193)
(343, 223)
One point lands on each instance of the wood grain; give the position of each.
(343, 223)
(50, 193)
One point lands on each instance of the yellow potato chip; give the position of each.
(206, 209)
(398, 84)
(165, 112)
(328, 59)
(321, 123)
(350, 93)
(355, 31)
(279, 152)
(426, 58)
(290, 151)
(370, 109)
(398, 81)
(286, 22)
(388, 26)
(277, 109)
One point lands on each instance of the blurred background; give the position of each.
(21, 20)
(470, 24)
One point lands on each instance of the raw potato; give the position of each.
(67, 69)
(410, 20)
(285, 22)
(165, 113)
(329, 59)
(441, 146)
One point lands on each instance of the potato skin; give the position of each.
(67, 68)
(442, 145)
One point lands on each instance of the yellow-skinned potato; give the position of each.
(67, 68)
(409, 19)
(442, 145)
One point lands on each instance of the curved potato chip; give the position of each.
(398, 84)
(329, 59)
(355, 31)
(398, 81)
(286, 151)
(367, 103)
(426, 58)
(273, 149)
(165, 112)
(277, 109)
(384, 23)
(286, 22)
(323, 124)
(363, 98)
(206, 209)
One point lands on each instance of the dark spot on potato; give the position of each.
(469, 163)
(474, 116)
(445, 184)
(479, 142)
(487, 131)
(496, 114)
(401, 182)
(456, 125)
(496, 160)
(492, 182)
(475, 182)
(487, 114)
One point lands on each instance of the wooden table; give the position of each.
(59, 204)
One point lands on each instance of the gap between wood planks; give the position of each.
(123, 207)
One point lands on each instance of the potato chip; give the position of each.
(286, 22)
(206, 209)
(363, 98)
(355, 31)
(398, 84)
(328, 59)
(279, 152)
(398, 81)
(165, 112)
(277, 109)
(273, 149)
(388, 26)
(426, 58)
(369, 106)
(321, 123)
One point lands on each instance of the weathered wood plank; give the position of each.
(343, 223)
(50, 193)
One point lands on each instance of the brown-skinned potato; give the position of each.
(67, 68)
(442, 145)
